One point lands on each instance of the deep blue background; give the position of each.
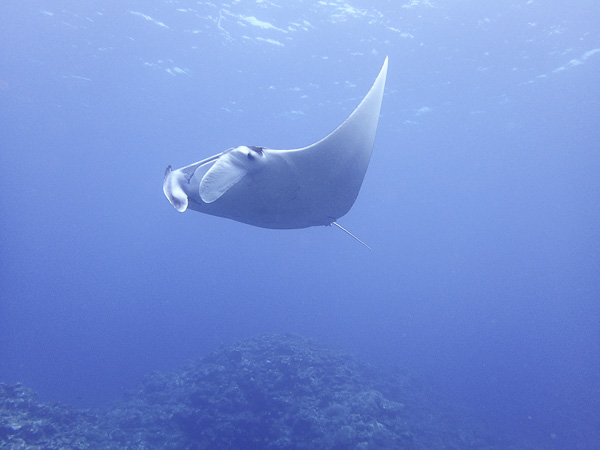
(482, 201)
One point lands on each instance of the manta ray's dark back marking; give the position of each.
(255, 149)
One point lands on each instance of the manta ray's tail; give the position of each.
(346, 231)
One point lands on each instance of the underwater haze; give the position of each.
(481, 202)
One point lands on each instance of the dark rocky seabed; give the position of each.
(269, 392)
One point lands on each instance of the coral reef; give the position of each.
(271, 392)
(24, 423)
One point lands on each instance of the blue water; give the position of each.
(481, 203)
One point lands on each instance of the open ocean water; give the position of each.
(481, 202)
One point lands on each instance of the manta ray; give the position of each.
(284, 189)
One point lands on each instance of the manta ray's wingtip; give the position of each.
(385, 64)
(384, 67)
